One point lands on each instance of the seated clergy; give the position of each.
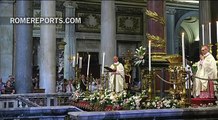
(206, 69)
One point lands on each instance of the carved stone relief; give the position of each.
(90, 22)
(129, 24)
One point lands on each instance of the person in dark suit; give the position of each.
(83, 83)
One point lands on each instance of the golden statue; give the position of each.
(127, 69)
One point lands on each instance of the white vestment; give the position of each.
(206, 69)
(116, 80)
(70, 88)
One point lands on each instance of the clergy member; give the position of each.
(116, 82)
(206, 69)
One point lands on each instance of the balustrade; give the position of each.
(33, 100)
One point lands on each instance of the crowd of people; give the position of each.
(82, 84)
(68, 86)
(8, 87)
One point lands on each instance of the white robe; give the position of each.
(70, 88)
(116, 78)
(206, 69)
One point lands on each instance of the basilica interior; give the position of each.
(107, 28)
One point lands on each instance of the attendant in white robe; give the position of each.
(206, 69)
(116, 81)
(70, 87)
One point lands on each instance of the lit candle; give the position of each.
(217, 31)
(103, 57)
(209, 33)
(88, 65)
(80, 62)
(74, 60)
(203, 34)
(77, 58)
(149, 55)
(183, 50)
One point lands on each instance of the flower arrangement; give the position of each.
(77, 95)
(132, 103)
(162, 103)
(139, 56)
(123, 100)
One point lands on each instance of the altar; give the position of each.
(209, 113)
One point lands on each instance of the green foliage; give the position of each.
(139, 56)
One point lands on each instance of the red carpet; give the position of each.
(203, 101)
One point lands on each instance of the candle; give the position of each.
(74, 60)
(77, 58)
(103, 57)
(80, 62)
(88, 65)
(203, 34)
(209, 33)
(217, 31)
(149, 55)
(183, 50)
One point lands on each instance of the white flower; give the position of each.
(154, 104)
(139, 55)
(148, 103)
(173, 107)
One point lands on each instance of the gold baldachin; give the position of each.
(158, 45)
(154, 16)
(158, 53)
(154, 38)
(158, 57)
(157, 39)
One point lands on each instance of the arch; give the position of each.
(188, 29)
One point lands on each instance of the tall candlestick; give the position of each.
(88, 65)
(77, 58)
(102, 68)
(80, 62)
(183, 50)
(203, 34)
(209, 33)
(74, 61)
(217, 31)
(149, 55)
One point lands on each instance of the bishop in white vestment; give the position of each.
(206, 69)
(116, 81)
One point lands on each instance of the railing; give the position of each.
(33, 100)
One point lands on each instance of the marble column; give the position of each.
(70, 39)
(144, 43)
(47, 66)
(170, 23)
(24, 41)
(156, 28)
(108, 31)
(205, 18)
(214, 18)
(6, 41)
